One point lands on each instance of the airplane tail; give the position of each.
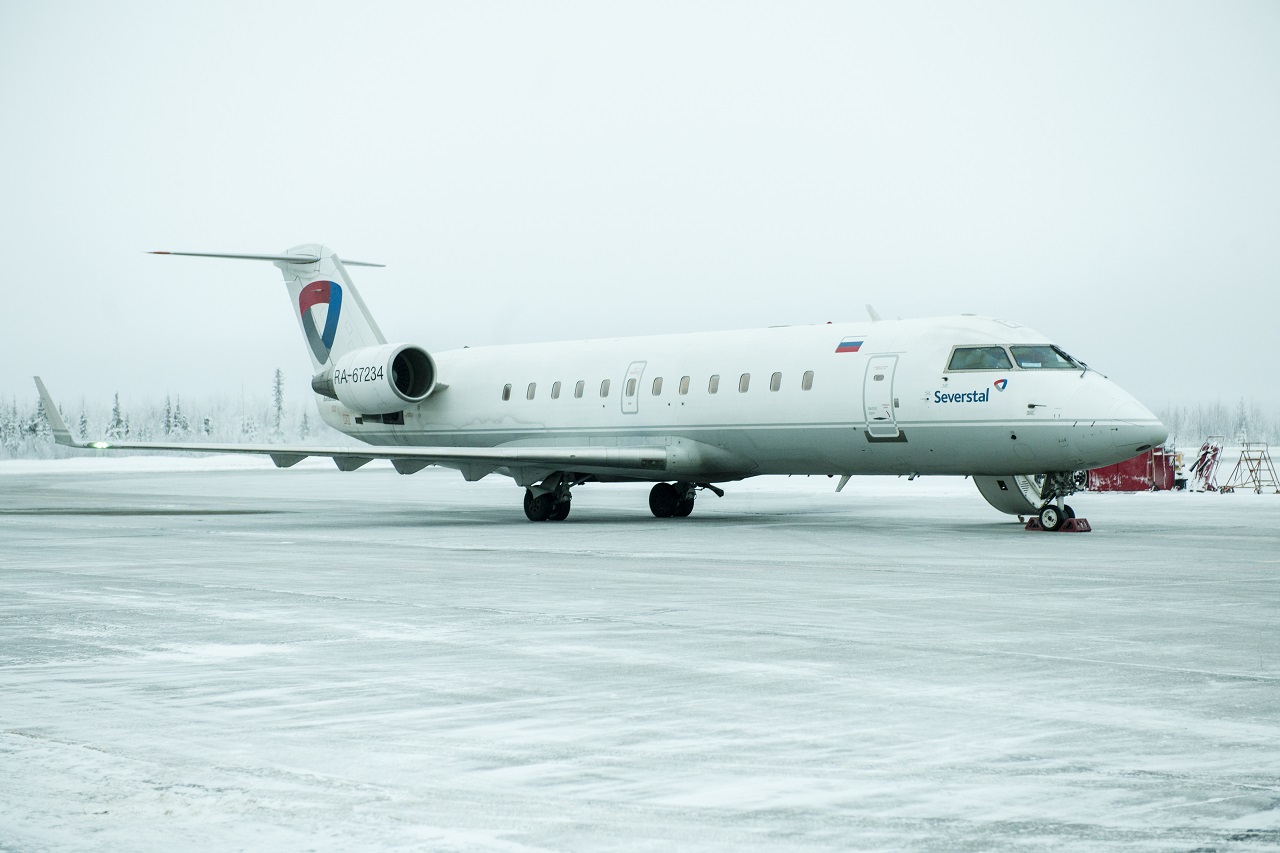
(333, 317)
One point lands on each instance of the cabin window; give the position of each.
(657, 387)
(631, 387)
(555, 390)
(979, 358)
(579, 388)
(684, 385)
(775, 382)
(1044, 357)
(744, 382)
(506, 392)
(533, 389)
(713, 384)
(604, 388)
(806, 381)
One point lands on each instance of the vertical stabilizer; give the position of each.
(333, 317)
(329, 309)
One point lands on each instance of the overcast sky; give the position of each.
(1107, 173)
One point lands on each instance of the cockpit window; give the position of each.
(979, 358)
(1043, 357)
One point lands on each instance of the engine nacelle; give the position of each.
(381, 379)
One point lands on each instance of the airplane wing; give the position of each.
(474, 462)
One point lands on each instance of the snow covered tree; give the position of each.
(206, 426)
(84, 426)
(37, 427)
(277, 407)
(1240, 423)
(304, 427)
(180, 424)
(10, 438)
(168, 416)
(117, 427)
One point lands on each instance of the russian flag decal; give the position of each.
(850, 345)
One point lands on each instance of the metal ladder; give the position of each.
(1253, 469)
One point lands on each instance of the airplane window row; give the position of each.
(655, 389)
(1036, 357)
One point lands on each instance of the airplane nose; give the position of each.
(1138, 429)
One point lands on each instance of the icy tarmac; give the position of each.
(212, 654)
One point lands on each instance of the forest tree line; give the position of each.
(257, 419)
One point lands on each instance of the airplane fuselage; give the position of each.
(786, 400)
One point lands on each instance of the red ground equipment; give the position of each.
(1152, 471)
(1204, 473)
(1070, 525)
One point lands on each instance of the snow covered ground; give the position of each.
(213, 654)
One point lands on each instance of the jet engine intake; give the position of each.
(381, 379)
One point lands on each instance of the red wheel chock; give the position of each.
(1069, 525)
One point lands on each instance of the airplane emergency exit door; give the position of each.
(631, 388)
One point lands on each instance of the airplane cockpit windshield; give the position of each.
(979, 358)
(1043, 357)
(1025, 356)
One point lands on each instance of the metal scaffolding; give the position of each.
(1253, 470)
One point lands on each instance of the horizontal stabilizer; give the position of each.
(288, 259)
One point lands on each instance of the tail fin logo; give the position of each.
(328, 294)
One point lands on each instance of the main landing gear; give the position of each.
(675, 500)
(546, 507)
(1056, 514)
(550, 500)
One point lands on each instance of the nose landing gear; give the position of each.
(1056, 514)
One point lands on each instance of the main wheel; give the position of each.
(539, 508)
(561, 511)
(1067, 511)
(664, 500)
(684, 508)
(1051, 517)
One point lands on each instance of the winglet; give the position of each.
(61, 434)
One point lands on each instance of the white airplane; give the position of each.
(967, 395)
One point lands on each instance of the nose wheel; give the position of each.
(1051, 517)
(1056, 514)
(1054, 517)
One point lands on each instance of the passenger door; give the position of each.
(877, 396)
